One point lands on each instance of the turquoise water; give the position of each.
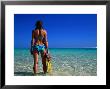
(65, 61)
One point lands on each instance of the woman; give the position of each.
(39, 45)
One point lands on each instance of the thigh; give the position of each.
(43, 53)
(43, 56)
(35, 57)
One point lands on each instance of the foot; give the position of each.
(35, 74)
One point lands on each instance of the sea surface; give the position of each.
(65, 62)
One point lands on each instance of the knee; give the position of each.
(43, 61)
(36, 62)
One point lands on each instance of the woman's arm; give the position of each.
(46, 41)
(33, 37)
(32, 42)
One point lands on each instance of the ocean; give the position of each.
(65, 62)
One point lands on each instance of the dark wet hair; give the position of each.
(39, 25)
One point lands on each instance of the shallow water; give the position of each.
(65, 61)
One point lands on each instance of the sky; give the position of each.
(63, 30)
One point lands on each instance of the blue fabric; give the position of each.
(39, 47)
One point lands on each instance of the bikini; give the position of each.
(38, 47)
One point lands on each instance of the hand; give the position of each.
(31, 52)
(47, 50)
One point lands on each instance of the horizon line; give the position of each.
(61, 47)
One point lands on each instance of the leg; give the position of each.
(35, 68)
(44, 61)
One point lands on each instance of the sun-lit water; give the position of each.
(65, 61)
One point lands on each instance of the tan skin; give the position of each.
(35, 34)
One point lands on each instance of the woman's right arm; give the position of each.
(33, 37)
(46, 41)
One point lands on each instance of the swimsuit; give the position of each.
(38, 47)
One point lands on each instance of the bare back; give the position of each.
(39, 36)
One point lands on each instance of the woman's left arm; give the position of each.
(32, 42)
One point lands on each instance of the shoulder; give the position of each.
(44, 31)
(34, 31)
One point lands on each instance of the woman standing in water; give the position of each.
(39, 45)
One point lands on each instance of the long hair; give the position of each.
(39, 26)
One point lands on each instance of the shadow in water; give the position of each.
(28, 74)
